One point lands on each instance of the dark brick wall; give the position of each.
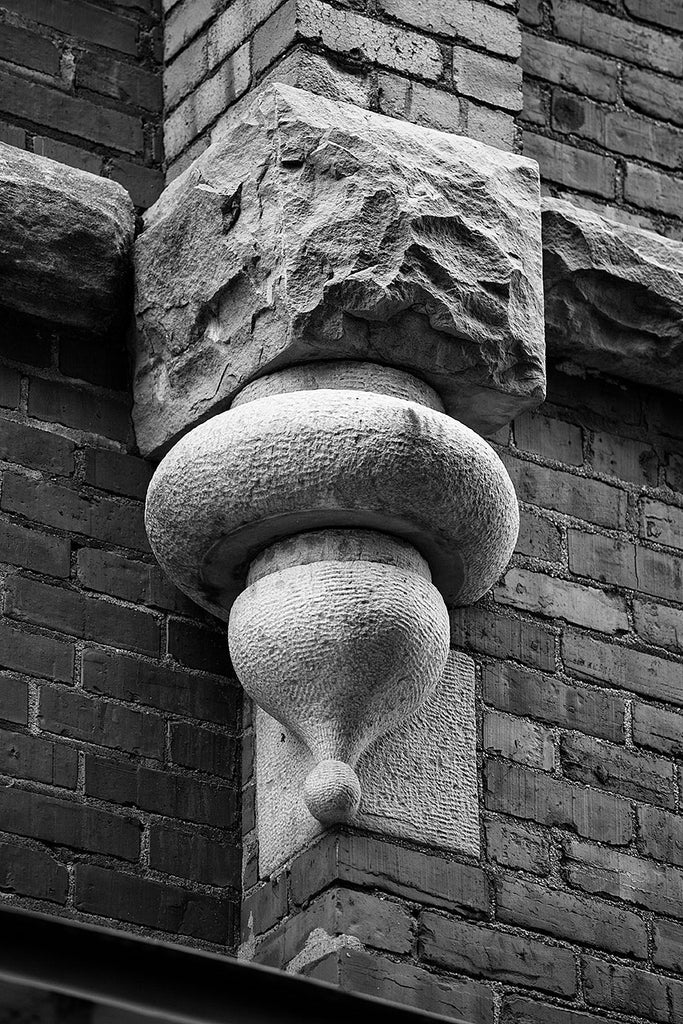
(603, 104)
(80, 82)
(574, 914)
(119, 717)
(449, 65)
(118, 710)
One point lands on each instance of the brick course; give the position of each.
(482, 951)
(447, 66)
(81, 84)
(604, 82)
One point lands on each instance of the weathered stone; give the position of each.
(66, 241)
(309, 460)
(316, 230)
(419, 782)
(339, 635)
(340, 632)
(613, 296)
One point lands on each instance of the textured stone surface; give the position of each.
(313, 459)
(317, 230)
(342, 375)
(419, 780)
(338, 648)
(613, 296)
(65, 243)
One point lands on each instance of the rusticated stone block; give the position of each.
(316, 230)
(613, 296)
(66, 243)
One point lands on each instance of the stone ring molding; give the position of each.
(331, 307)
(352, 516)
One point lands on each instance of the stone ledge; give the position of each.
(613, 296)
(65, 244)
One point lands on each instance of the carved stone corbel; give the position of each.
(365, 295)
(340, 499)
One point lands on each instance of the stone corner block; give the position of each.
(613, 296)
(314, 230)
(419, 780)
(66, 244)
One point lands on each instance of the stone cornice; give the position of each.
(613, 296)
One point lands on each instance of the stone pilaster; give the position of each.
(332, 307)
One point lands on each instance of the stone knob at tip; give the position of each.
(332, 792)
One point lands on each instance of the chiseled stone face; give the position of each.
(614, 296)
(316, 230)
(419, 779)
(66, 241)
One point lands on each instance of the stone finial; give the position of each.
(339, 635)
(315, 230)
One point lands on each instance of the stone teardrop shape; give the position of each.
(339, 651)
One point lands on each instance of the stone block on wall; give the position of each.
(613, 296)
(66, 241)
(316, 230)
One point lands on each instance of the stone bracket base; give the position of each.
(419, 781)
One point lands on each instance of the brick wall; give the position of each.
(118, 713)
(447, 65)
(575, 912)
(603, 104)
(80, 82)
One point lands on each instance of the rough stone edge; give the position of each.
(637, 367)
(97, 299)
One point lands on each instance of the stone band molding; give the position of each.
(364, 294)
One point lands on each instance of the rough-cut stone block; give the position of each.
(419, 780)
(613, 296)
(313, 229)
(65, 243)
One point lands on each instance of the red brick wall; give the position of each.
(80, 82)
(603, 104)
(118, 713)
(577, 901)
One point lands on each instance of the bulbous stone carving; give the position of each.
(304, 460)
(351, 515)
(338, 635)
(363, 294)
